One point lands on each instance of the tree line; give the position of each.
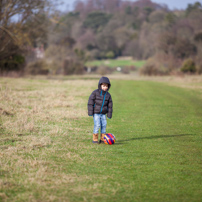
(170, 40)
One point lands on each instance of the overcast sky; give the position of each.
(172, 4)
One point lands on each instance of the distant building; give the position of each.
(39, 52)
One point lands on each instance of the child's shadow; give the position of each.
(150, 137)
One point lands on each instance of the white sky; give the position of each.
(172, 4)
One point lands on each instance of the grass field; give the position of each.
(46, 152)
(116, 63)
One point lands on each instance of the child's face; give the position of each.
(104, 86)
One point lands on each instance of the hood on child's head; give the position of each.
(104, 80)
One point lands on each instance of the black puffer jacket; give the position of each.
(100, 102)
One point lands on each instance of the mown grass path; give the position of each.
(47, 155)
(160, 134)
(158, 153)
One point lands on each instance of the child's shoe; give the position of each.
(95, 138)
(102, 138)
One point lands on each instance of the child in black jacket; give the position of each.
(99, 104)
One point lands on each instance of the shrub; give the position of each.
(103, 70)
(152, 67)
(68, 67)
(126, 70)
(71, 66)
(130, 68)
(198, 61)
(133, 68)
(199, 68)
(14, 63)
(110, 54)
(188, 66)
(37, 67)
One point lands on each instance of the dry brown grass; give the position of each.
(23, 105)
(34, 114)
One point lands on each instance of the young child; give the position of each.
(99, 104)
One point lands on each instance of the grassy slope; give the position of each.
(116, 63)
(157, 156)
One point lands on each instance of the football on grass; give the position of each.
(109, 138)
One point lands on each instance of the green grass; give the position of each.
(158, 153)
(116, 63)
(157, 156)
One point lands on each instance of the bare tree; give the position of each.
(13, 14)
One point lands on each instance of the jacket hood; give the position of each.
(104, 80)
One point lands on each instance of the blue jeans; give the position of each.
(100, 122)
